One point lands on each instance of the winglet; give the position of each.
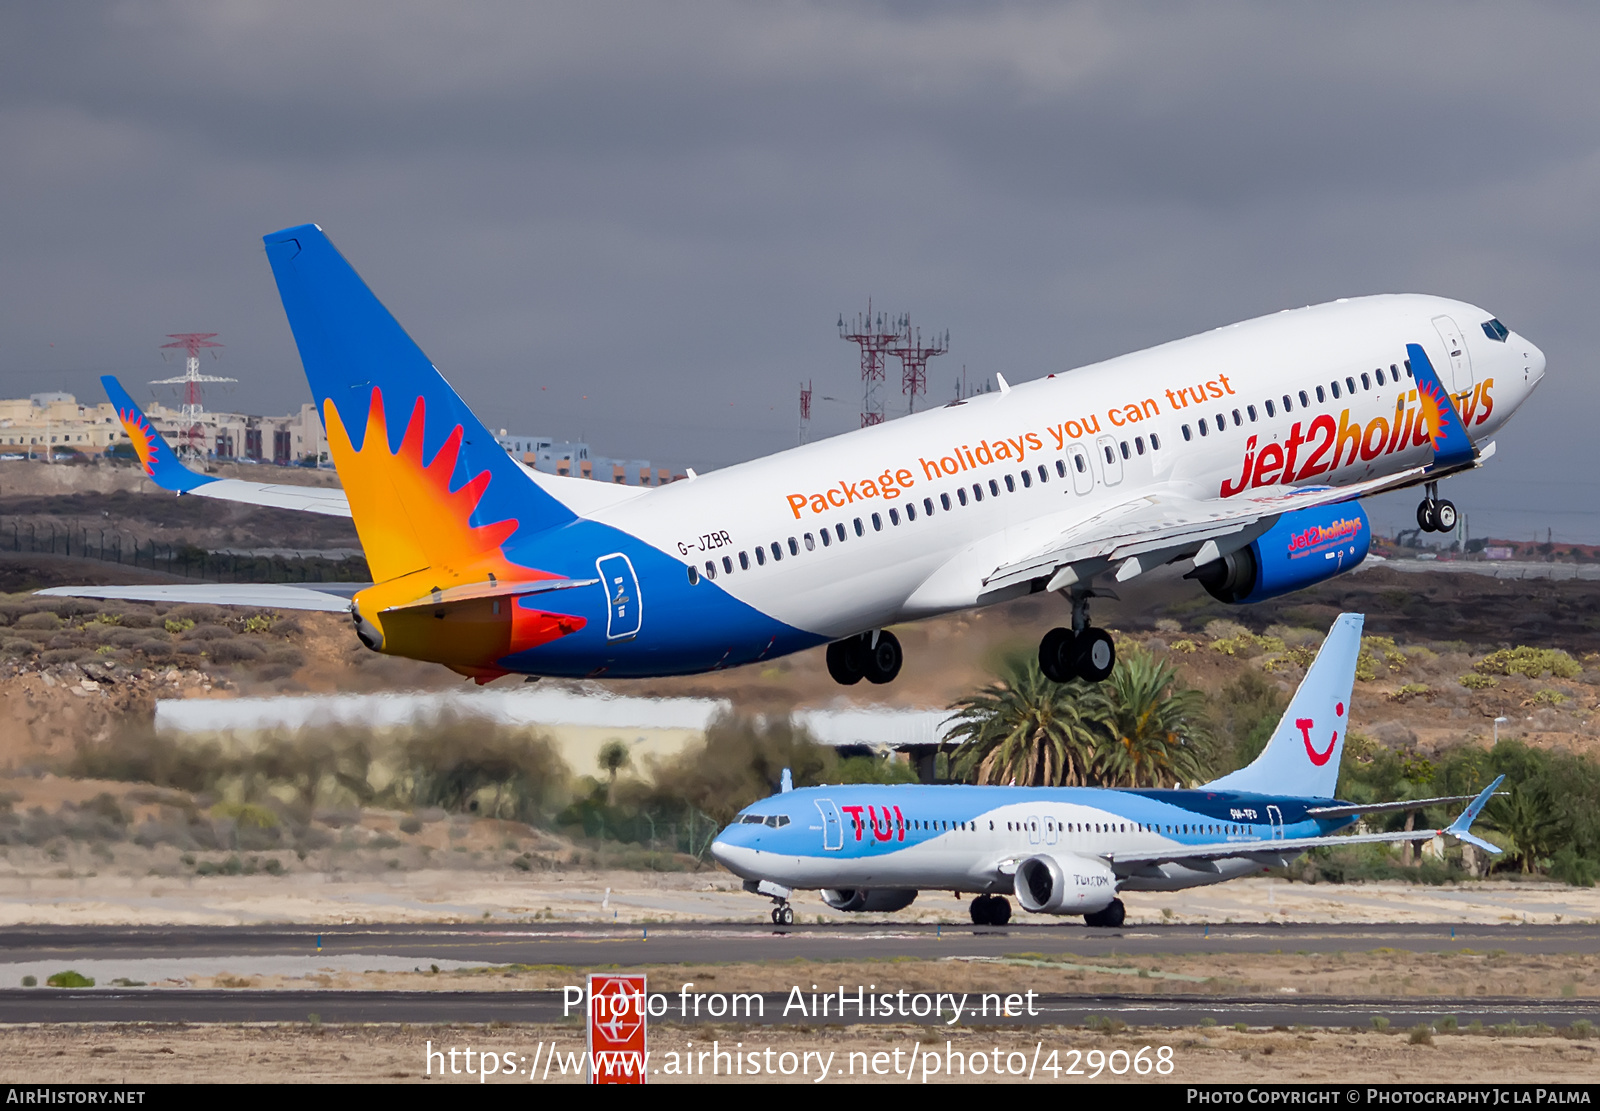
(1458, 828)
(1451, 446)
(160, 462)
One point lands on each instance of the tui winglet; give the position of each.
(1458, 828)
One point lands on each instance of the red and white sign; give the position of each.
(617, 1023)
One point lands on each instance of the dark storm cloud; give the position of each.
(638, 222)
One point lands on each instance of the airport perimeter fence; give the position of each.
(186, 560)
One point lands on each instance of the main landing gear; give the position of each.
(782, 914)
(874, 656)
(1081, 652)
(990, 910)
(1112, 916)
(1434, 515)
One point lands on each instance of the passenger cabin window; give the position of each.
(1111, 456)
(1155, 442)
(860, 530)
(1304, 402)
(1081, 463)
(1187, 435)
(1044, 475)
(1288, 406)
(994, 488)
(794, 546)
(1027, 480)
(1202, 423)
(827, 537)
(977, 491)
(1138, 444)
(727, 564)
(1350, 385)
(894, 515)
(839, 530)
(1379, 374)
(927, 506)
(1124, 448)
(811, 543)
(1251, 409)
(1366, 383)
(1011, 484)
(877, 523)
(711, 569)
(1334, 386)
(1236, 419)
(744, 561)
(761, 557)
(961, 496)
(777, 551)
(911, 511)
(1322, 395)
(1270, 411)
(694, 576)
(1061, 468)
(944, 500)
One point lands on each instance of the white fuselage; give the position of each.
(1205, 417)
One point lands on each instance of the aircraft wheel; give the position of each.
(999, 910)
(1427, 519)
(1055, 655)
(1444, 516)
(1111, 917)
(884, 660)
(845, 661)
(980, 910)
(786, 915)
(777, 916)
(1094, 655)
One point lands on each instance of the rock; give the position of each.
(1395, 734)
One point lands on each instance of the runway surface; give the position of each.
(546, 1006)
(582, 946)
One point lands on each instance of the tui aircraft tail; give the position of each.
(1302, 758)
(428, 486)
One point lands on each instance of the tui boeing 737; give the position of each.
(1237, 455)
(1072, 850)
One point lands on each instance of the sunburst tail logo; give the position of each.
(146, 443)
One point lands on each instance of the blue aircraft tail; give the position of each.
(437, 464)
(1302, 758)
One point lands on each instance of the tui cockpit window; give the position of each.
(1496, 330)
(776, 821)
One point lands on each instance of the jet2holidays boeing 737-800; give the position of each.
(1237, 455)
(1071, 850)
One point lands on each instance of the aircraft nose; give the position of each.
(1533, 361)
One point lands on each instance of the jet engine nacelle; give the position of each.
(1305, 547)
(864, 899)
(1065, 884)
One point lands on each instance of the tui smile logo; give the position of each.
(1306, 725)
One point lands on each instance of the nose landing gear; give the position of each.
(875, 657)
(1081, 652)
(1434, 514)
(782, 913)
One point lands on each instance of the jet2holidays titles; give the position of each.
(1271, 464)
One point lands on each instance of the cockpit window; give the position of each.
(776, 821)
(1496, 330)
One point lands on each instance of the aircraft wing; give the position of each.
(162, 467)
(322, 597)
(1352, 810)
(1153, 529)
(1277, 852)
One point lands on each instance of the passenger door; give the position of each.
(1455, 349)
(1275, 816)
(832, 827)
(623, 611)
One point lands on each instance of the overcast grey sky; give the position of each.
(638, 223)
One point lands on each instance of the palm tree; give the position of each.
(614, 756)
(1026, 730)
(1158, 736)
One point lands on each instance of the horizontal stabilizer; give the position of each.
(324, 597)
(493, 589)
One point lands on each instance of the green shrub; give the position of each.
(70, 979)
(1532, 662)
(1477, 682)
(1569, 867)
(1421, 1035)
(30, 981)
